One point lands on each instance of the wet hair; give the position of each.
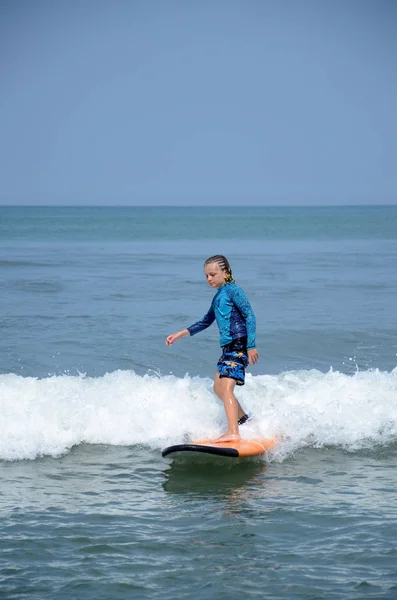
(223, 263)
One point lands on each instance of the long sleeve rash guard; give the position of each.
(234, 316)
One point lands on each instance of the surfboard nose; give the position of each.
(236, 449)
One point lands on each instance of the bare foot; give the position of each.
(229, 437)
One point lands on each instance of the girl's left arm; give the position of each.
(241, 301)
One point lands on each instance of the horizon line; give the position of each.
(341, 205)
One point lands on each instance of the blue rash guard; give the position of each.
(234, 316)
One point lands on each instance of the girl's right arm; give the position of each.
(174, 337)
(205, 322)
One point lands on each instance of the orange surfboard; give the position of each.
(238, 449)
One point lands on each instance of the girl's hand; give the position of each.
(253, 356)
(174, 337)
(171, 339)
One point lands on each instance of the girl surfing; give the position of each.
(237, 327)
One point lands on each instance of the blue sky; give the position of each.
(198, 102)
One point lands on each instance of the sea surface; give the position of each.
(90, 395)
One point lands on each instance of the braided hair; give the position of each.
(223, 263)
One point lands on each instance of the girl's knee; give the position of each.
(217, 387)
(217, 390)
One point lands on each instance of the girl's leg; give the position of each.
(224, 388)
(218, 392)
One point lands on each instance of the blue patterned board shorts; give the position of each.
(234, 360)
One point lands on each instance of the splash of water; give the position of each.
(49, 416)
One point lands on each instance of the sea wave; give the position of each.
(49, 416)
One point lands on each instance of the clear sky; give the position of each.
(198, 102)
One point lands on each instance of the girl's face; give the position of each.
(214, 274)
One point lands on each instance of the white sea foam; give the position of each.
(49, 416)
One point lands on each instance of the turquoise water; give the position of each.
(90, 394)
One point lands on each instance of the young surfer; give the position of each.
(237, 327)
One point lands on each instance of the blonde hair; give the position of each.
(222, 261)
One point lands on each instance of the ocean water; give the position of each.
(90, 394)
